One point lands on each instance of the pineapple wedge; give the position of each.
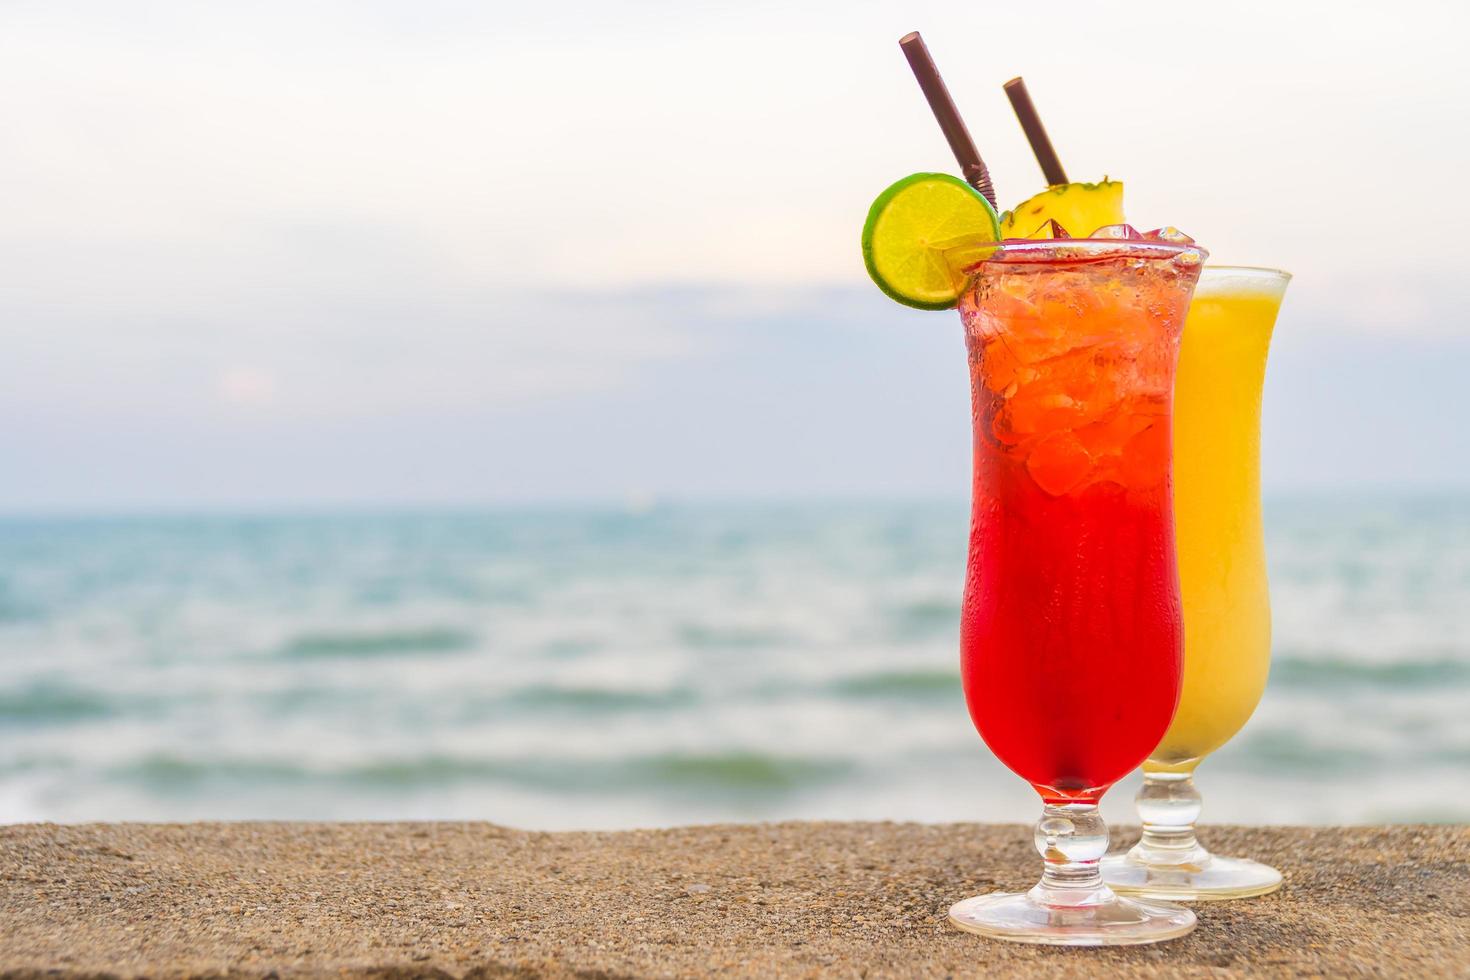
(1081, 209)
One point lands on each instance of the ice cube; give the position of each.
(1058, 463)
(1070, 392)
(1039, 408)
(1145, 461)
(1108, 435)
(1052, 229)
(998, 366)
(1124, 231)
(1168, 233)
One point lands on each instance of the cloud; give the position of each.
(345, 319)
(247, 387)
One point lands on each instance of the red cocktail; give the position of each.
(1071, 631)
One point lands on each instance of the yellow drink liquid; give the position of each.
(1222, 582)
(1217, 511)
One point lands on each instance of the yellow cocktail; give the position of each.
(1222, 577)
(1217, 509)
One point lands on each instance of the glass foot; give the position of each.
(1207, 878)
(1111, 921)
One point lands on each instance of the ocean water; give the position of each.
(600, 668)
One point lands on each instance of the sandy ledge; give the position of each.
(797, 899)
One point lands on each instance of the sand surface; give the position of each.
(797, 899)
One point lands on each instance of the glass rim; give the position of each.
(966, 260)
(1052, 249)
(1252, 271)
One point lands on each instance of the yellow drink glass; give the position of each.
(1222, 577)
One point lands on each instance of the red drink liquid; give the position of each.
(1071, 634)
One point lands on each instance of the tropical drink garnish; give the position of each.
(1079, 208)
(909, 228)
(928, 233)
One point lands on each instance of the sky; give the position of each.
(289, 254)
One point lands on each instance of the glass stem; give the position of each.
(1072, 839)
(1169, 805)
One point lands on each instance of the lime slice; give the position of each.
(910, 225)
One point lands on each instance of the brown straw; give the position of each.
(971, 166)
(1046, 154)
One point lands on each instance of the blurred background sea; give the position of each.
(658, 664)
